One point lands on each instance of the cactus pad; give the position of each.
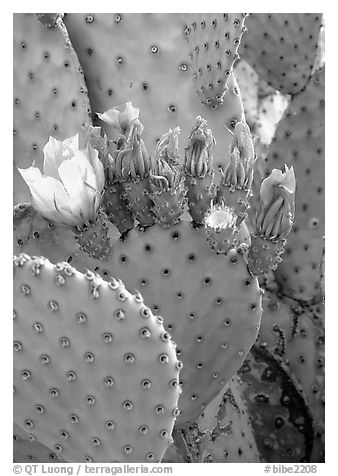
(208, 303)
(27, 450)
(282, 47)
(213, 41)
(96, 376)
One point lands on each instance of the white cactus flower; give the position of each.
(70, 189)
(120, 116)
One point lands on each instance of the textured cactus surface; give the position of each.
(280, 417)
(213, 41)
(27, 450)
(166, 267)
(296, 335)
(169, 237)
(282, 47)
(67, 350)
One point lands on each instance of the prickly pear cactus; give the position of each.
(199, 202)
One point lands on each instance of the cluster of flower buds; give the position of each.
(155, 189)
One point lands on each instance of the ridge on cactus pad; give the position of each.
(95, 373)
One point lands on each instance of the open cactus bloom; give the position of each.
(165, 173)
(121, 116)
(198, 153)
(132, 160)
(69, 191)
(220, 217)
(277, 204)
(239, 172)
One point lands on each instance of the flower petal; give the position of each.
(93, 157)
(120, 116)
(110, 117)
(74, 173)
(290, 180)
(52, 157)
(45, 192)
(266, 191)
(30, 175)
(72, 144)
(128, 114)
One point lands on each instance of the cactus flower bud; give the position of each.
(167, 147)
(277, 204)
(132, 161)
(166, 176)
(243, 141)
(167, 180)
(121, 116)
(198, 157)
(165, 173)
(69, 191)
(239, 172)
